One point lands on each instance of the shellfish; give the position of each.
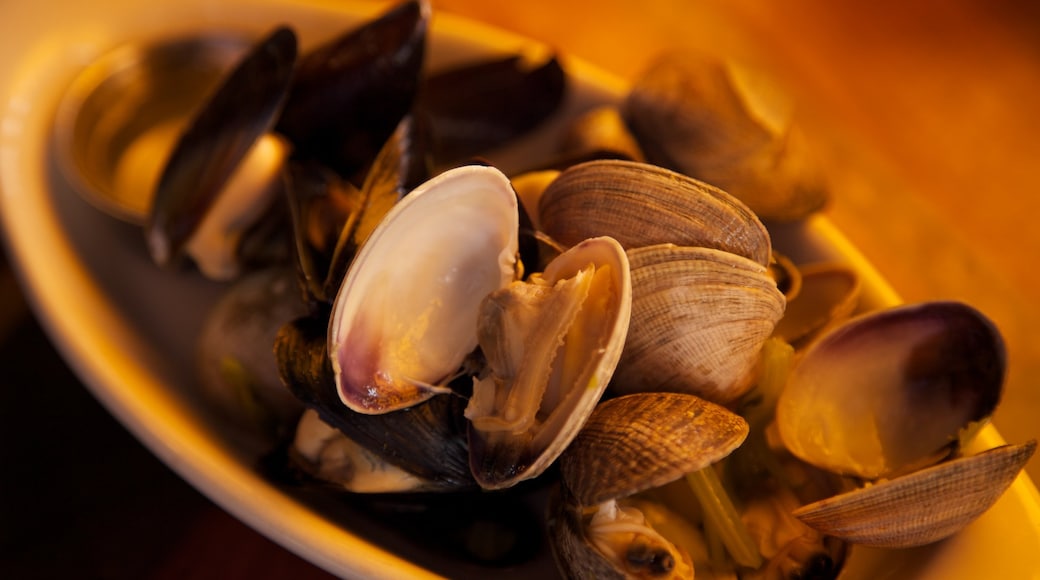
(405, 317)
(631, 444)
(727, 125)
(885, 397)
(700, 318)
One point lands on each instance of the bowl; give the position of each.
(119, 118)
(129, 329)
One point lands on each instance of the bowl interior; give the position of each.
(121, 115)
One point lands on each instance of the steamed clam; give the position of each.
(397, 336)
(631, 444)
(641, 205)
(885, 398)
(730, 126)
(700, 319)
(552, 343)
(397, 332)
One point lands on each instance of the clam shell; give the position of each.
(642, 205)
(641, 441)
(699, 320)
(405, 316)
(922, 507)
(727, 125)
(552, 347)
(890, 391)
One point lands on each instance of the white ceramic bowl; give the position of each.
(128, 329)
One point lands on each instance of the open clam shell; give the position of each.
(700, 319)
(890, 392)
(405, 317)
(922, 507)
(552, 344)
(642, 205)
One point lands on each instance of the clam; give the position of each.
(883, 398)
(922, 507)
(700, 318)
(434, 281)
(730, 126)
(552, 343)
(631, 444)
(641, 205)
(405, 317)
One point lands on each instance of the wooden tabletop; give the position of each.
(929, 116)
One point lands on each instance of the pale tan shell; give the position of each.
(726, 125)
(642, 205)
(922, 507)
(699, 320)
(637, 442)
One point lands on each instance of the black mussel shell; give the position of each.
(241, 110)
(349, 94)
(478, 107)
(427, 440)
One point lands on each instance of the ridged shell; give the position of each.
(641, 441)
(699, 320)
(642, 205)
(721, 123)
(923, 507)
